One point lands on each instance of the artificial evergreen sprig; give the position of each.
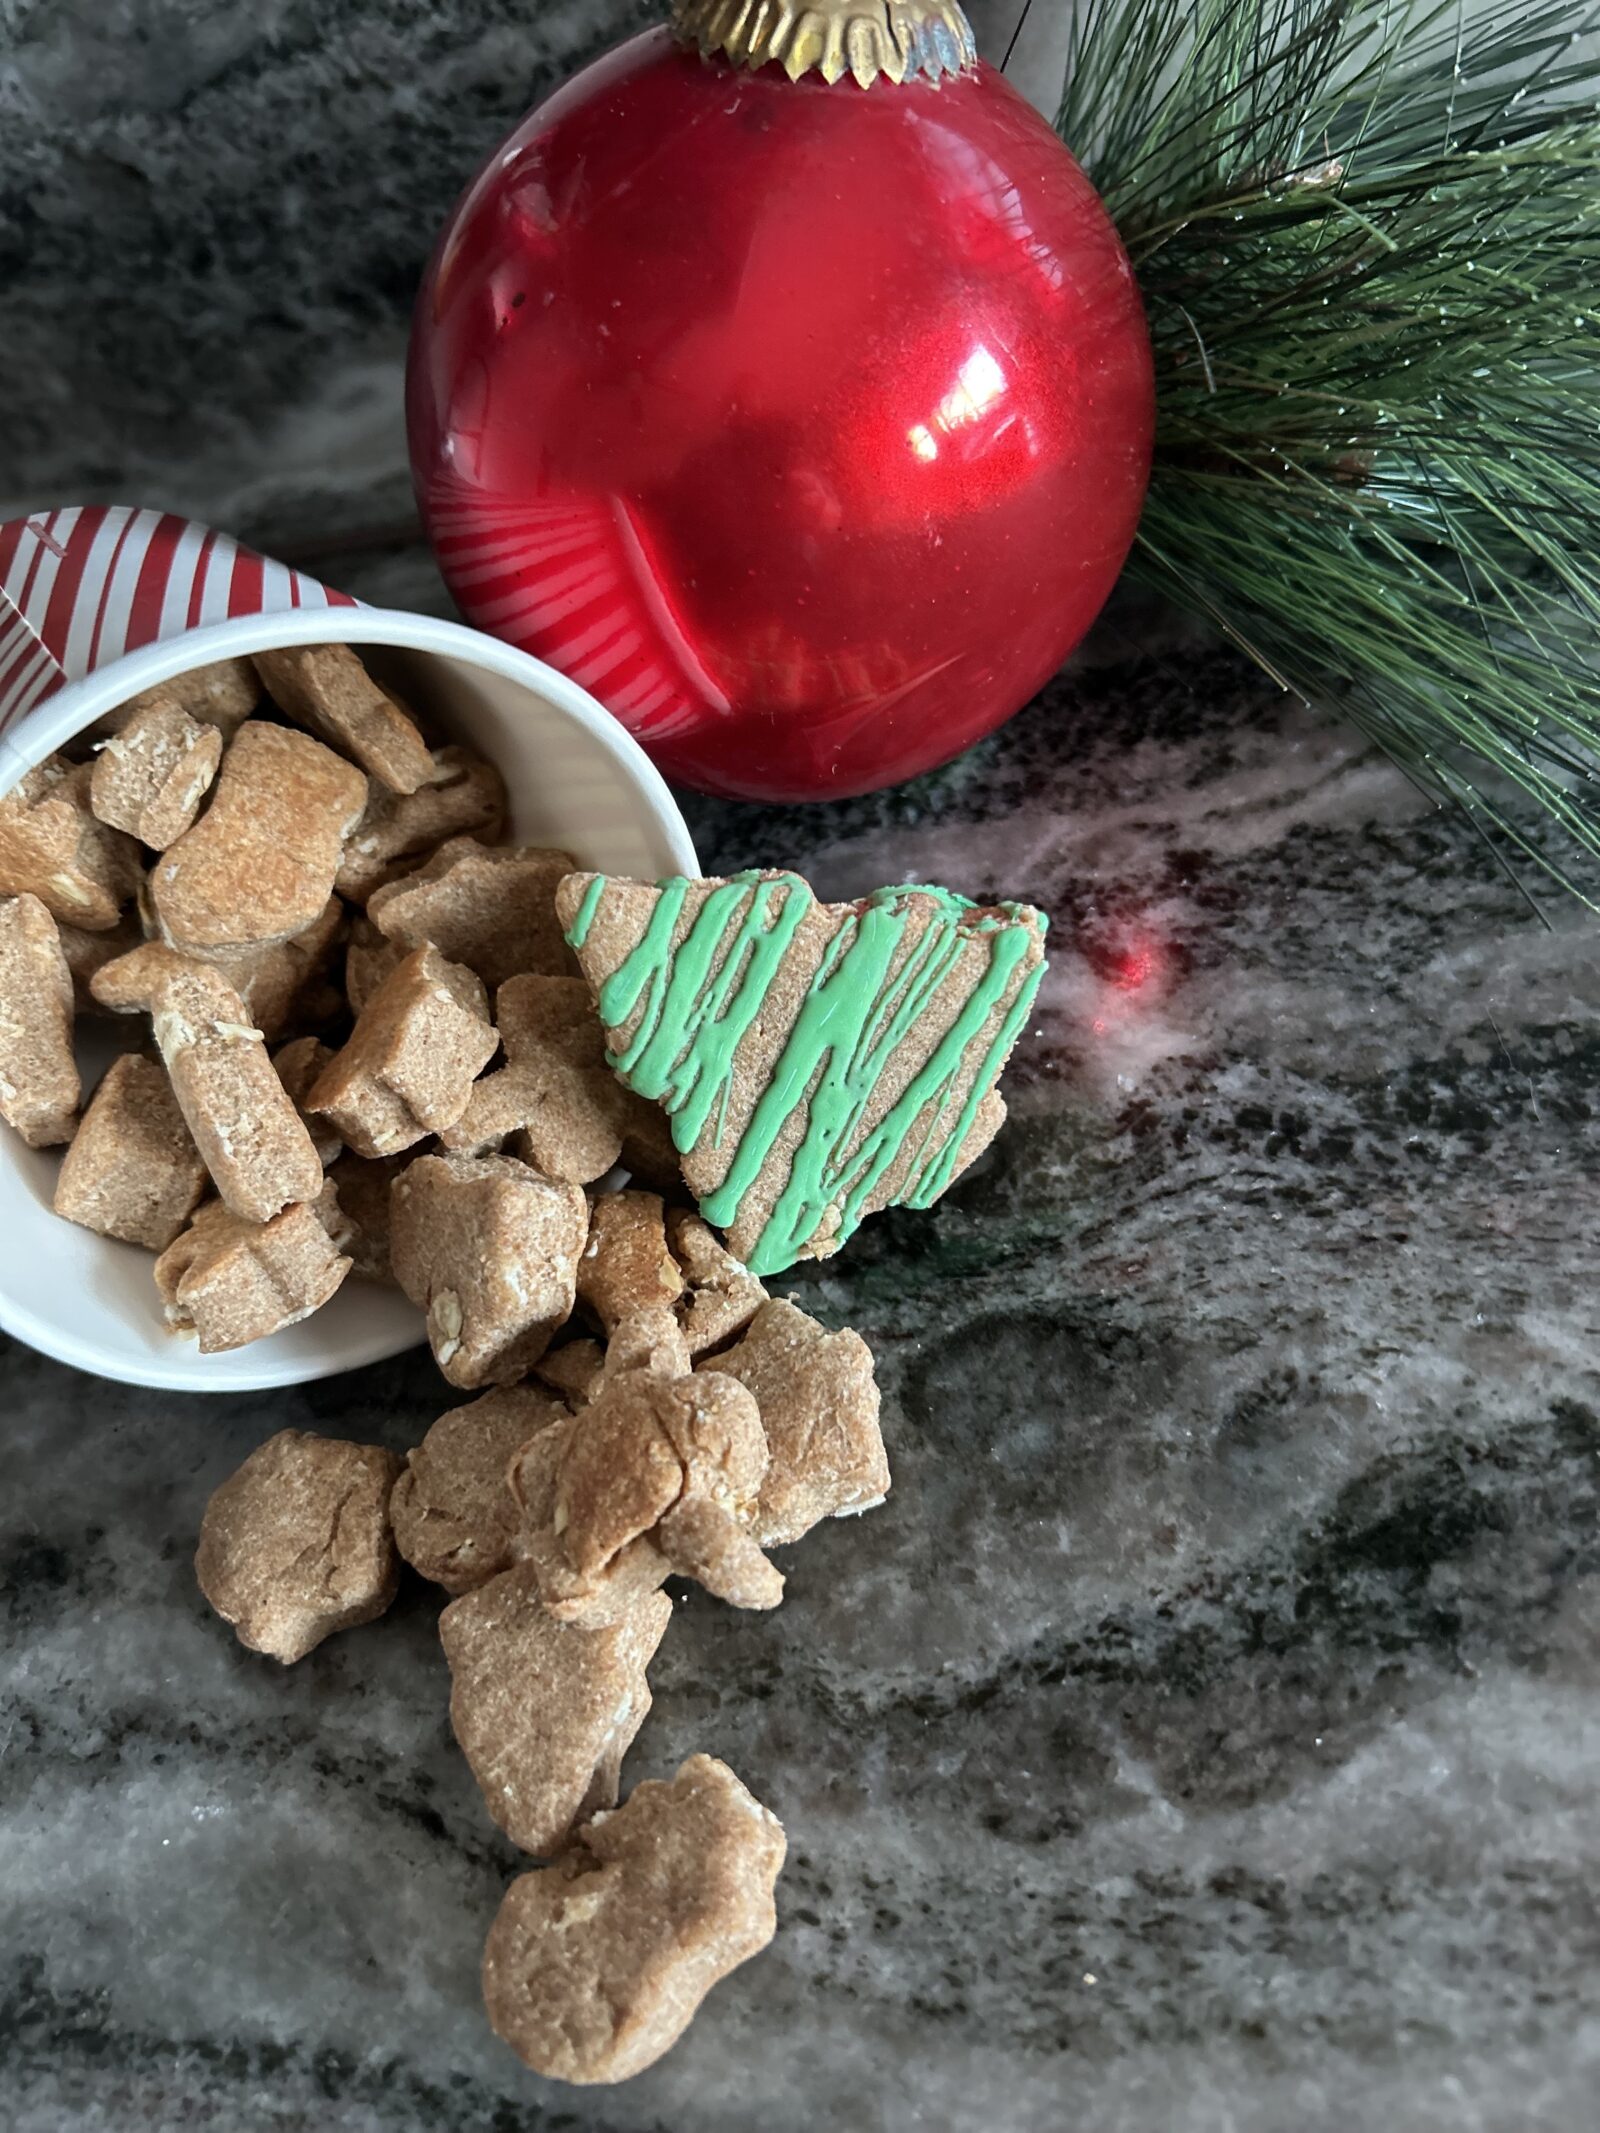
(1368, 237)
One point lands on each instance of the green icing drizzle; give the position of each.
(586, 911)
(697, 1001)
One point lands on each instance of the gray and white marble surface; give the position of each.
(1205, 1738)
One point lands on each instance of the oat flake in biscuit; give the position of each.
(819, 1061)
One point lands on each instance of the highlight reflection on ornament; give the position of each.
(806, 426)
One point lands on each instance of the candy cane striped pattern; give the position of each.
(570, 581)
(78, 588)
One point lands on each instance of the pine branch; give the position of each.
(1368, 236)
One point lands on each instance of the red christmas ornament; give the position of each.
(805, 421)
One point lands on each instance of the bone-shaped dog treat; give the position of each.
(232, 1281)
(259, 864)
(572, 1118)
(326, 688)
(244, 1124)
(39, 1087)
(408, 1066)
(133, 1170)
(596, 1964)
(464, 796)
(454, 1515)
(490, 1252)
(53, 847)
(545, 1710)
(819, 1408)
(151, 776)
(222, 695)
(493, 910)
(296, 1544)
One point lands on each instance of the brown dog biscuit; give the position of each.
(53, 847)
(597, 1964)
(675, 1461)
(605, 1595)
(820, 1061)
(223, 695)
(296, 1544)
(464, 796)
(818, 1398)
(555, 1099)
(244, 1124)
(259, 864)
(454, 1515)
(233, 1282)
(490, 1252)
(39, 1087)
(492, 909)
(133, 1170)
(545, 1710)
(325, 687)
(408, 1066)
(150, 778)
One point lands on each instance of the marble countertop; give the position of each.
(1205, 1734)
(1205, 1738)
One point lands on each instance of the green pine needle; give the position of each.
(1368, 237)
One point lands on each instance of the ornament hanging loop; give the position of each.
(892, 40)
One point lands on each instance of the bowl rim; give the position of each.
(77, 704)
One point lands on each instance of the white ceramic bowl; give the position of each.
(575, 779)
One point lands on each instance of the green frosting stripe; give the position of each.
(697, 998)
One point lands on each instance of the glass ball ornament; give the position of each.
(790, 390)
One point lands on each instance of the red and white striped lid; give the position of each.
(80, 587)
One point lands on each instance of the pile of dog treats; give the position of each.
(688, 1424)
(270, 861)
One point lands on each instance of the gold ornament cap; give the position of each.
(899, 40)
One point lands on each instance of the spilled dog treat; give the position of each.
(296, 1544)
(545, 1710)
(453, 1510)
(598, 1962)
